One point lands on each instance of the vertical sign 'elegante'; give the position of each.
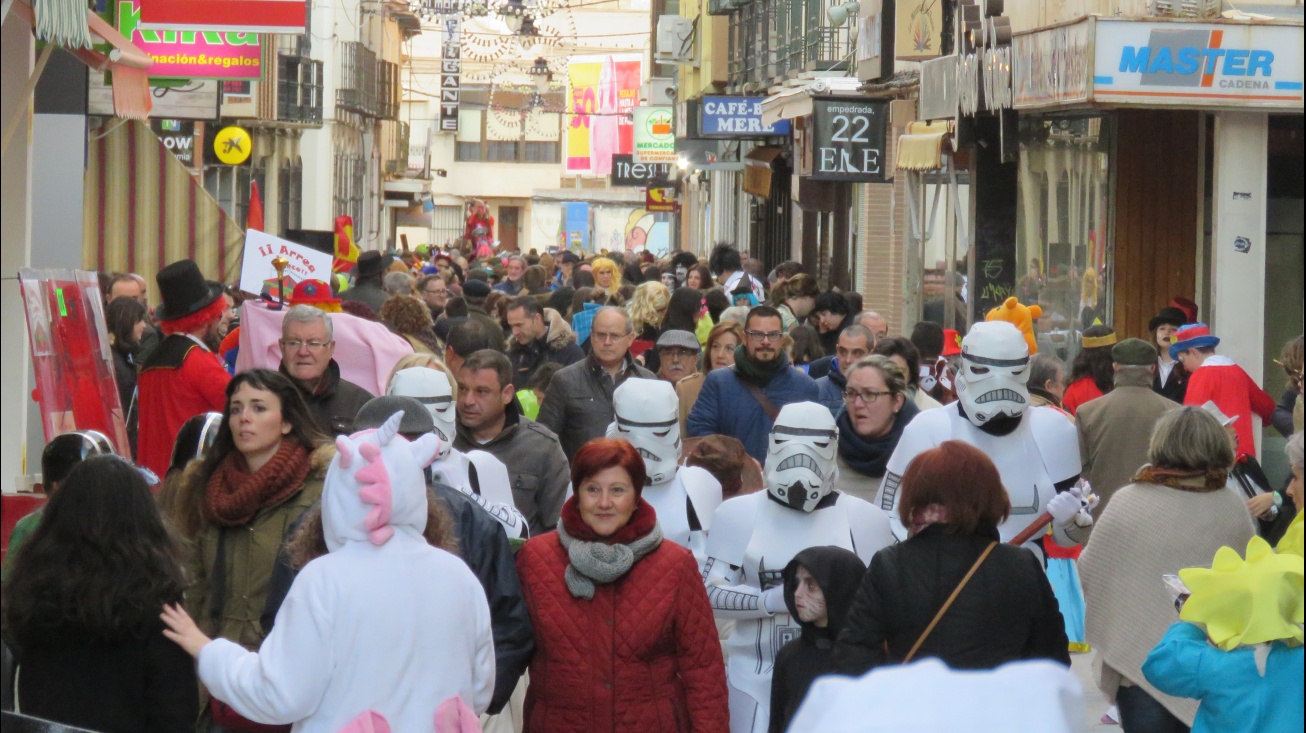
(848, 140)
(451, 67)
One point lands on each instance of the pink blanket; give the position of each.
(365, 350)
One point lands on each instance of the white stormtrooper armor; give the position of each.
(647, 414)
(754, 536)
(475, 473)
(1036, 450)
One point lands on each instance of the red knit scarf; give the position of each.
(234, 495)
(640, 524)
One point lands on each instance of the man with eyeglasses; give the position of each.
(743, 401)
(307, 347)
(578, 403)
(432, 290)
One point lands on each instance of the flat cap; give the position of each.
(476, 289)
(676, 339)
(1133, 352)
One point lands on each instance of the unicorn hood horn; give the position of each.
(375, 487)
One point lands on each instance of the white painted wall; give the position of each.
(16, 59)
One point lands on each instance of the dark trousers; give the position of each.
(1141, 713)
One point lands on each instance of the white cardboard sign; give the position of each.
(257, 272)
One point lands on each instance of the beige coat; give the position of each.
(1114, 431)
(1150, 531)
(857, 484)
(687, 389)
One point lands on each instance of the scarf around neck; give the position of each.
(594, 560)
(1198, 481)
(757, 372)
(233, 495)
(870, 457)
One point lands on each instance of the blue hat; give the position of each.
(1192, 336)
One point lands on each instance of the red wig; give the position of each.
(960, 478)
(197, 320)
(603, 453)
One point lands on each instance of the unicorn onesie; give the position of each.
(382, 622)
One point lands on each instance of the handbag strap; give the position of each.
(948, 603)
(767, 405)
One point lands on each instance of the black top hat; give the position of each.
(184, 291)
(1173, 316)
(371, 263)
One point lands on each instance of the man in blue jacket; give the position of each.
(743, 401)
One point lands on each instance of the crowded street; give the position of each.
(652, 366)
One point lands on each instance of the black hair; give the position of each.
(631, 274)
(99, 566)
(490, 359)
(854, 299)
(682, 310)
(543, 375)
(717, 302)
(121, 317)
(456, 307)
(469, 337)
(891, 346)
(725, 258)
(528, 303)
(761, 311)
(1096, 362)
(560, 301)
(684, 259)
(832, 302)
(294, 410)
(64, 452)
(927, 337)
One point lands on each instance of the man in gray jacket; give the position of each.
(488, 420)
(1115, 429)
(578, 403)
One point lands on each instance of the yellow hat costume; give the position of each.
(1020, 316)
(1247, 602)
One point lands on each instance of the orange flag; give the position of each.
(254, 216)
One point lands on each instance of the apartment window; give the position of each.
(473, 146)
(541, 152)
(291, 198)
(299, 92)
(499, 151)
(350, 181)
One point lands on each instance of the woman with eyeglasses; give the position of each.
(875, 412)
(263, 471)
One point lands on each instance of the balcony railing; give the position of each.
(358, 85)
(771, 40)
(388, 90)
(396, 161)
(299, 89)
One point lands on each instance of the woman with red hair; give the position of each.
(624, 636)
(997, 605)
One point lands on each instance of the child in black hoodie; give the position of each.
(819, 586)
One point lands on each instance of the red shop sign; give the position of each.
(236, 16)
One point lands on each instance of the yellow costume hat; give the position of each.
(1251, 602)
(1020, 316)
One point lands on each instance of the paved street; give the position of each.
(1094, 703)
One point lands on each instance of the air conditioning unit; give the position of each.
(675, 40)
(660, 92)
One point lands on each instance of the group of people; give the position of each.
(562, 494)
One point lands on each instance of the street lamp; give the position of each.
(541, 74)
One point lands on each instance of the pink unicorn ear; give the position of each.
(345, 451)
(454, 716)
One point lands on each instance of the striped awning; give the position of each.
(142, 209)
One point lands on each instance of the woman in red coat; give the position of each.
(624, 636)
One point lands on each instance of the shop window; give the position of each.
(1063, 226)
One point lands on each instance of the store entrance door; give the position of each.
(509, 227)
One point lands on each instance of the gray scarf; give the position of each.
(591, 563)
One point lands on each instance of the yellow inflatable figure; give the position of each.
(1249, 602)
(1021, 317)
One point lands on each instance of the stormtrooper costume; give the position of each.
(475, 473)
(647, 415)
(1036, 450)
(754, 536)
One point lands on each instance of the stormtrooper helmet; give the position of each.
(991, 383)
(647, 414)
(800, 460)
(430, 387)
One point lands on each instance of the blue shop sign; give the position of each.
(737, 117)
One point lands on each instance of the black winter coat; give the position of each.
(335, 402)
(797, 665)
(1006, 613)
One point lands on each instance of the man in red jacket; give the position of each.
(183, 377)
(1218, 379)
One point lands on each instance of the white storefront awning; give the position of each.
(797, 101)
